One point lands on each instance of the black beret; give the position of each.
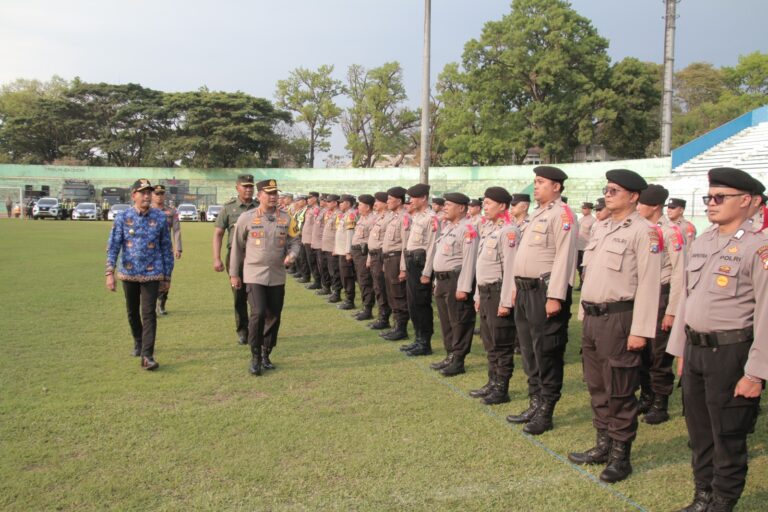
(676, 203)
(380, 196)
(438, 200)
(349, 198)
(268, 186)
(498, 194)
(245, 179)
(600, 204)
(301, 197)
(159, 189)
(564, 199)
(418, 190)
(630, 180)
(456, 197)
(735, 178)
(587, 204)
(551, 173)
(332, 197)
(654, 195)
(520, 198)
(367, 199)
(475, 202)
(397, 192)
(314, 194)
(141, 184)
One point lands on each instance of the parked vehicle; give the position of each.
(46, 208)
(116, 208)
(86, 211)
(213, 212)
(188, 212)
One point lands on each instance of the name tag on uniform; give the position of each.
(540, 227)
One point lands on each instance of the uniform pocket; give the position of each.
(615, 255)
(738, 415)
(624, 374)
(725, 280)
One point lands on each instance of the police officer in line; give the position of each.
(174, 226)
(330, 224)
(675, 211)
(585, 230)
(757, 213)
(392, 249)
(619, 301)
(299, 215)
(438, 207)
(453, 264)
(656, 377)
(519, 207)
(264, 242)
(474, 211)
(317, 248)
(358, 251)
(721, 337)
(544, 272)
(420, 230)
(375, 260)
(226, 221)
(307, 230)
(345, 230)
(145, 266)
(601, 213)
(494, 292)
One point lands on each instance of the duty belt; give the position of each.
(374, 252)
(414, 253)
(357, 247)
(392, 254)
(719, 338)
(607, 308)
(490, 286)
(527, 283)
(441, 276)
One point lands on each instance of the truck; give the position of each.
(77, 191)
(115, 195)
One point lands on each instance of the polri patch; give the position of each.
(763, 253)
(511, 238)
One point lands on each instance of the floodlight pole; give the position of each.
(424, 157)
(669, 61)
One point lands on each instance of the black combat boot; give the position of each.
(381, 323)
(619, 466)
(456, 367)
(365, 314)
(242, 338)
(439, 365)
(346, 305)
(314, 286)
(410, 346)
(702, 496)
(527, 415)
(400, 332)
(598, 454)
(334, 298)
(255, 367)
(422, 349)
(302, 280)
(483, 391)
(161, 307)
(721, 503)
(646, 399)
(658, 411)
(136, 348)
(265, 362)
(542, 420)
(499, 393)
(149, 363)
(323, 291)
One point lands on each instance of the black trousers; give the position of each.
(162, 298)
(322, 268)
(332, 262)
(542, 340)
(611, 373)
(396, 294)
(240, 297)
(364, 278)
(380, 284)
(347, 276)
(266, 308)
(457, 318)
(718, 422)
(497, 332)
(140, 303)
(302, 265)
(309, 255)
(656, 373)
(419, 296)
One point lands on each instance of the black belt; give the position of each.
(527, 283)
(374, 252)
(442, 276)
(719, 338)
(357, 247)
(489, 287)
(417, 252)
(392, 254)
(607, 308)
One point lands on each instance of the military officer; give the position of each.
(345, 230)
(519, 210)
(392, 249)
(494, 293)
(375, 260)
(264, 242)
(453, 264)
(317, 248)
(174, 226)
(585, 229)
(330, 224)
(307, 230)
(675, 211)
(226, 220)
(358, 251)
(620, 298)
(721, 334)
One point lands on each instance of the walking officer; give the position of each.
(721, 337)
(317, 248)
(544, 272)
(375, 260)
(345, 230)
(174, 226)
(226, 220)
(264, 242)
(620, 299)
(392, 249)
(359, 253)
(330, 225)
(453, 263)
(307, 231)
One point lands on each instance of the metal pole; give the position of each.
(669, 60)
(424, 175)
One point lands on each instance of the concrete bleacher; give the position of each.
(747, 150)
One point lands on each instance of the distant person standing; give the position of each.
(675, 211)
(172, 218)
(585, 230)
(9, 206)
(141, 235)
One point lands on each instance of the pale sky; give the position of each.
(248, 45)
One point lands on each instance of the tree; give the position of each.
(310, 95)
(699, 82)
(750, 75)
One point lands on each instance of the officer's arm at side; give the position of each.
(757, 362)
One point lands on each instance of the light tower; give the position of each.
(669, 69)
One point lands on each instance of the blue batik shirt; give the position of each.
(145, 243)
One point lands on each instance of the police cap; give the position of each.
(418, 190)
(245, 179)
(380, 196)
(268, 186)
(551, 173)
(520, 198)
(630, 180)
(456, 197)
(398, 192)
(367, 199)
(654, 195)
(735, 178)
(498, 194)
(141, 184)
(438, 201)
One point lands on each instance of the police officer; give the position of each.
(358, 251)
(264, 242)
(303, 274)
(174, 226)
(585, 229)
(345, 230)
(453, 263)
(392, 249)
(226, 220)
(656, 376)
(620, 298)
(675, 211)
(601, 213)
(494, 294)
(519, 206)
(721, 333)
(474, 212)
(544, 272)
(375, 260)
(330, 224)
(307, 231)
(317, 248)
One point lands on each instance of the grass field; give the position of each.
(345, 422)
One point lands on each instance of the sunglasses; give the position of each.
(611, 191)
(719, 198)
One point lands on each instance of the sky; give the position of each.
(248, 45)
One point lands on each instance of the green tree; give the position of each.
(310, 94)
(750, 75)
(699, 82)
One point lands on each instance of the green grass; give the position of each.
(345, 422)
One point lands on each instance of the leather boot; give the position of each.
(619, 466)
(442, 364)
(334, 298)
(346, 305)
(400, 332)
(528, 414)
(658, 411)
(381, 323)
(499, 394)
(265, 362)
(456, 367)
(364, 314)
(242, 338)
(702, 496)
(422, 349)
(416, 341)
(255, 367)
(323, 291)
(314, 286)
(302, 280)
(542, 420)
(721, 503)
(136, 348)
(483, 391)
(149, 363)
(644, 404)
(598, 454)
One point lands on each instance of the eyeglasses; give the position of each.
(611, 191)
(719, 198)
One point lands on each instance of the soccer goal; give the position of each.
(12, 199)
